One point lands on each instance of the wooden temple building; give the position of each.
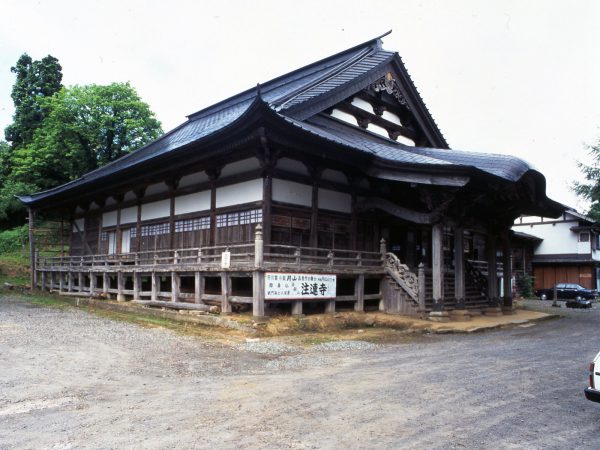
(327, 188)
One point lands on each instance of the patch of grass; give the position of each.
(45, 301)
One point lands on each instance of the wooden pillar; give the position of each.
(354, 224)
(437, 262)
(33, 265)
(459, 268)
(258, 294)
(92, 283)
(198, 287)
(43, 281)
(70, 282)
(507, 305)
(175, 285)
(155, 286)
(61, 281)
(314, 215)
(225, 292)
(266, 209)
(330, 306)
(359, 293)
(120, 286)
(213, 175)
(492, 270)
(138, 226)
(137, 283)
(258, 276)
(80, 282)
(105, 284)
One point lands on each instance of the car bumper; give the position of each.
(592, 394)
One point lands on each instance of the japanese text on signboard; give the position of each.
(299, 286)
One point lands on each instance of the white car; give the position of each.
(593, 392)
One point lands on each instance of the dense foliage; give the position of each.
(590, 189)
(35, 80)
(59, 133)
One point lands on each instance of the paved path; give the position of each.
(72, 380)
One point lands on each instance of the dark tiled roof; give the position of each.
(283, 98)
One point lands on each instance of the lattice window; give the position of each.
(132, 232)
(103, 236)
(156, 230)
(200, 223)
(239, 218)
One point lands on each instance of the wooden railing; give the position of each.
(241, 255)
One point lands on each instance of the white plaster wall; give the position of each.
(406, 141)
(583, 247)
(193, 178)
(94, 205)
(343, 116)
(236, 194)
(80, 223)
(291, 192)
(110, 201)
(129, 215)
(391, 117)
(378, 130)
(243, 166)
(334, 175)
(109, 218)
(155, 210)
(335, 201)
(557, 237)
(129, 195)
(528, 219)
(157, 188)
(363, 104)
(198, 201)
(78, 210)
(292, 165)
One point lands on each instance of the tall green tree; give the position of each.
(85, 128)
(590, 189)
(35, 81)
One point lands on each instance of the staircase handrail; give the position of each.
(407, 280)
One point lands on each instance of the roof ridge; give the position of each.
(272, 83)
(330, 74)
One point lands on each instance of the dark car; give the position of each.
(579, 303)
(567, 291)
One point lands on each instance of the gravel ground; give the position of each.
(69, 379)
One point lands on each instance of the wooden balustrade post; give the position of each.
(330, 258)
(199, 256)
(422, 287)
(176, 257)
(382, 248)
(297, 256)
(258, 247)
(359, 259)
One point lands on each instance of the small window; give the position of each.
(584, 237)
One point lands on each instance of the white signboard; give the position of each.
(225, 260)
(308, 286)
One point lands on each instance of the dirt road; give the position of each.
(69, 379)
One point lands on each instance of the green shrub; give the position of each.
(14, 240)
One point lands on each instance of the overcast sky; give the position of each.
(513, 77)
